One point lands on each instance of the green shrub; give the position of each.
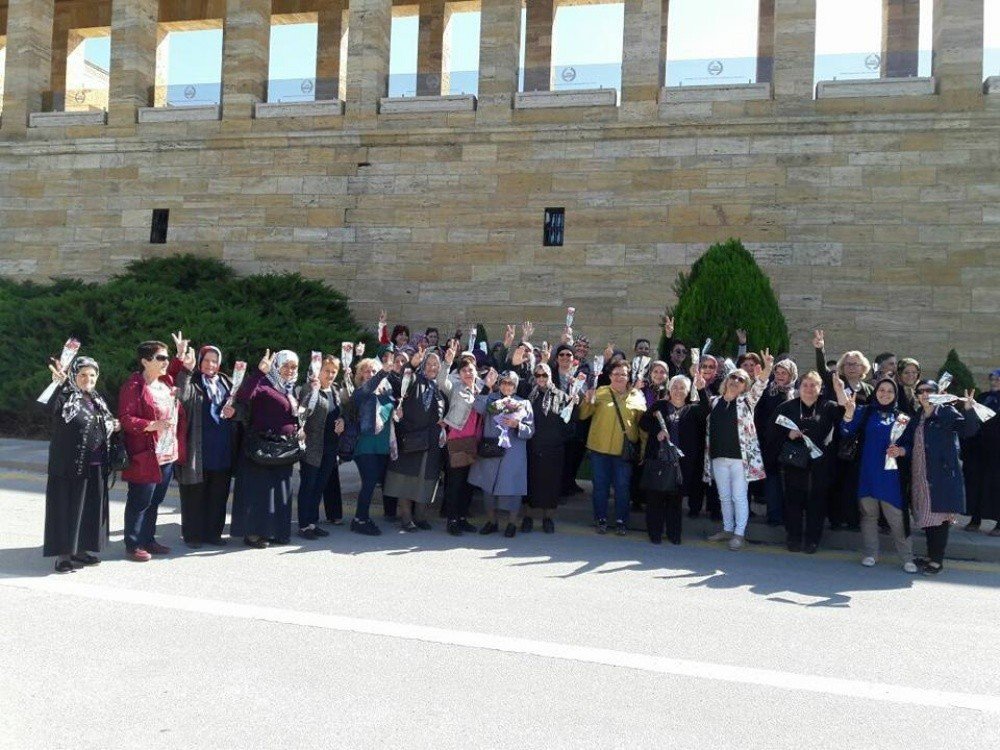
(202, 297)
(726, 290)
(962, 378)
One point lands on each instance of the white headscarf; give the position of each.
(274, 375)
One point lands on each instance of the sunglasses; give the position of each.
(541, 375)
(161, 357)
(565, 354)
(736, 377)
(920, 391)
(680, 351)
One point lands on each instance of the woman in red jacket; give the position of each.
(150, 415)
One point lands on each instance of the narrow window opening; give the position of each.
(555, 222)
(158, 229)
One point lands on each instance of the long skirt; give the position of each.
(414, 476)
(545, 475)
(267, 497)
(76, 513)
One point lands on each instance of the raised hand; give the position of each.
(449, 356)
(768, 360)
(180, 344)
(567, 335)
(527, 328)
(850, 405)
(819, 340)
(609, 352)
(668, 326)
(58, 374)
(545, 352)
(491, 378)
(508, 336)
(741, 336)
(969, 399)
(383, 318)
(188, 359)
(266, 362)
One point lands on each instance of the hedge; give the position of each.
(202, 297)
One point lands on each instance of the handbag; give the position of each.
(413, 442)
(630, 448)
(269, 449)
(461, 452)
(490, 448)
(348, 441)
(794, 453)
(663, 472)
(117, 455)
(848, 449)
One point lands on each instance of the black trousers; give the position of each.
(843, 505)
(457, 492)
(804, 502)
(575, 451)
(663, 511)
(704, 495)
(389, 506)
(937, 541)
(203, 507)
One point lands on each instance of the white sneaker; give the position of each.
(869, 562)
(910, 567)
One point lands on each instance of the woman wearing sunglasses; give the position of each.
(155, 427)
(937, 485)
(546, 448)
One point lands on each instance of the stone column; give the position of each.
(62, 48)
(499, 47)
(664, 17)
(538, 45)
(133, 58)
(28, 69)
(162, 78)
(765, 41)
(246, 38)
(370, 23)
(74, 75)
(642, 68)
(794, 53)
(430, 48)
(900, 38)
(958, 52)
(329, 28)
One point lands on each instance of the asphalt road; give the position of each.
(569, 640)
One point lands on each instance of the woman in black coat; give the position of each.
(76, 494)
(685, 427)
(937, 486)
(546, 448)
(806, 489)
(982, 471)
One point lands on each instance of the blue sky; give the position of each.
(588, 39)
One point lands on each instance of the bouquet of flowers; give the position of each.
(505, 408)
(895, 433)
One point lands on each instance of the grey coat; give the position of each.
(315, 420)
(507, 475)
(192, 395)
(460, 398)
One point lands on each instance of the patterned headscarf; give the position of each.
(429, 394)
(550, 404)
(76, 396)
(274, 375)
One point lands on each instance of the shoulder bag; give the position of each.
(630, 448)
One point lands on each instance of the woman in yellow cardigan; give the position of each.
(612, 407)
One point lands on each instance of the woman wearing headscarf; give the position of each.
(880, 489)
(983, 475)
(155, 428)
(205, 475)
(373, 403)
(76, 493)
(546, 448)
(684, 420)
(413, 476)
(463, 425)
(319, 473)
(779, 390)
(806, 489)
(937, 487)
(269, 395)
(732, 450)
(504, 480)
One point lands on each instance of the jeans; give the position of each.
(607, 469)
(141, 507)
(316, 482)
(371, 466)
(732, 483)
(774, 495)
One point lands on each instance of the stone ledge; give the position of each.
(320, 108)
(66, 119)
(569, 98)
(180, 114)
(732, 92)
(875, 87)
(992, 85)
(399, 105)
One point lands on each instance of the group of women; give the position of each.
(432, 423)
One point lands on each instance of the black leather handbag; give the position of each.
(490, 448)
(413, 442)
(794, 453)
(269, 449)
(117, 455)
(662, 473)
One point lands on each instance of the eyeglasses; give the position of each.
(161, 358)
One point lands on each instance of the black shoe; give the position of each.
(423, 525)
(810, 548)
(320, 532)
(366, 527)
(454, 529)
(409, 527)
(464, 525)
(489, 528)
(656, 539)
(573, 489)
(217, 542)
(794, 546)
(602, 526)
(510, 530)
(86, 559)
(527, 524)
(620, 528)
(548, 526)
(280, 541)
(674, 539)
(309, 534)
(255, 542)
(64, 566)
(931, 568)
